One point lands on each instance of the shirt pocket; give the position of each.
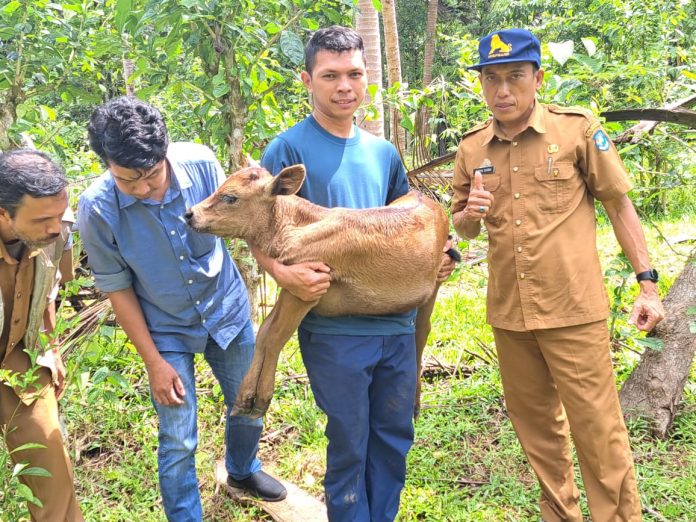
(491, 183)
(201, 244)
(554, 187)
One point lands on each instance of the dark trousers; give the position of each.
(366, 386)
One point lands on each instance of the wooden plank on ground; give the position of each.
(298, 506)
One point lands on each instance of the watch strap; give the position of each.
(648, 275)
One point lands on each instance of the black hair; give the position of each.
(129, 133)
(28, 172)
(337, 39)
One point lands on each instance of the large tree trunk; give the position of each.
(654, 389)
(430, 41)
(367, 26)
(422, 139)
(397, 134)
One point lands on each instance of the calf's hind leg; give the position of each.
(256, 390)
(422, 332)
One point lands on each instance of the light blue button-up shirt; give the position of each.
(186, 282)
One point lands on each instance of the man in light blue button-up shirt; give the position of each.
(174, 291)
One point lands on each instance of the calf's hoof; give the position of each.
(252, 409)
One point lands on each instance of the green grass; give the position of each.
(465, 465)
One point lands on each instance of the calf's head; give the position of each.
(243, 205)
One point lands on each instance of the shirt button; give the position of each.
(517, 195)
(161, 206)
(198, 302)
(181, 257)
(173, 232)
(519, 249)
(515, 169)
(12, 344)
(203, 321)
(514, 144)
(190, 281)
(19, 295)
(518, 222)
(522, 275)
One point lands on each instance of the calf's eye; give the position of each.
(228, 198)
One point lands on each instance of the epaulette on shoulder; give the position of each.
(478, 127)
(580, 111)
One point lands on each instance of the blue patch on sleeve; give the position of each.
(601, 140)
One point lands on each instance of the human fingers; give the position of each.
(478, 181)
(318, 266)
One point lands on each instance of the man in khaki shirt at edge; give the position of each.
(532, 173)
(35, 232)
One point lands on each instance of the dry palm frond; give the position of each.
(85, 323)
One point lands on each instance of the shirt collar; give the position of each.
(179, 180)
(5, 255)
(537, 121)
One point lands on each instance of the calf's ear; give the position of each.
(288, 181)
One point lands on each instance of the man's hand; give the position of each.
(448, 264)
(647, 310)
(52, 360)
(59, 382)
(306, 281)
(166, 386)
(480, 201)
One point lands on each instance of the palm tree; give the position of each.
(367, 26)
(430, 40)
(393, 53)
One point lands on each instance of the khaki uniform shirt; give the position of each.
(17, 279)
(543, 265)
(16, 283)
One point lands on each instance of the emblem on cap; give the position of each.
(499, 48)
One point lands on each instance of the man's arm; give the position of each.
(647, 310)
(306, 281)
(165, 383)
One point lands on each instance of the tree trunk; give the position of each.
(235, 116)
(654, 389)
(430, 41)
(397, 134)
(367, 26)
(128, 68)
(6, 120)
(422, 138)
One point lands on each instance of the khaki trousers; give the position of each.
(561, 381)
(38, 423)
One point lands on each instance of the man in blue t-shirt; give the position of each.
(362, 369)
(175, 292)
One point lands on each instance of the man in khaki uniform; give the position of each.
(532, 172)
(35, 232)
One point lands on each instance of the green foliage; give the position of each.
(14, 495)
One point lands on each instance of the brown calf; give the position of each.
(383, 260)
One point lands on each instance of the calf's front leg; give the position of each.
(256, 390)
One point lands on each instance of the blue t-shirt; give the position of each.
(359, 172)
(186, 283)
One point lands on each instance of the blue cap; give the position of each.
(508, 45)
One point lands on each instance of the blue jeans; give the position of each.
(366, 385)
(178, 432)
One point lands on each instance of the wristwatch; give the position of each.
(648, 275)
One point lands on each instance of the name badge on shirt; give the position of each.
(485, 168)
